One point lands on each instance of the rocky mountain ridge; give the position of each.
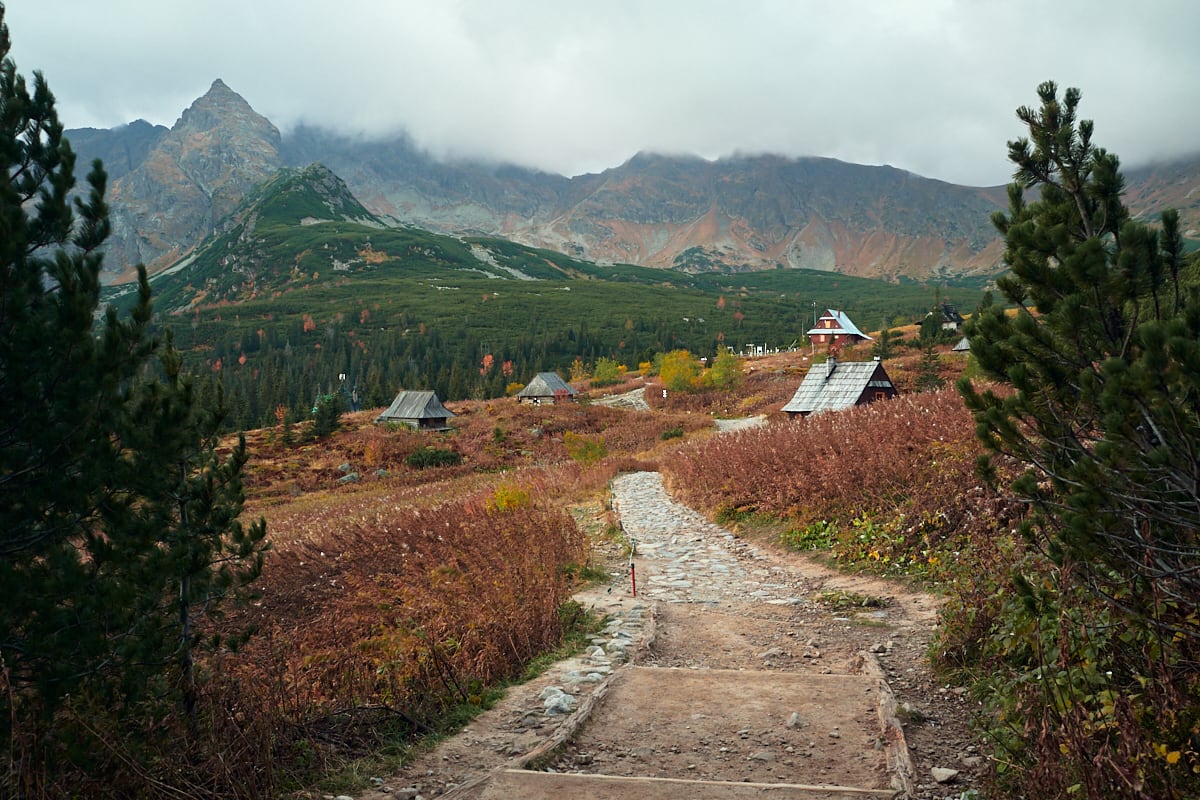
(191, 179)
(172, 188)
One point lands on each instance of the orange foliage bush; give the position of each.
(911, 457)
(383, 603)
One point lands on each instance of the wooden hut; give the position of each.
(835, 329)
(835, 385)
(420, 410)
(546, 387)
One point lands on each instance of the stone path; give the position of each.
(689, 559)
(706, 683)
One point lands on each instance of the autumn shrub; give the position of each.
(1075, 703)
(891, 483)
(98, 746)
(724, 374)
(587, 450)
(509, 498)
(606, 372)
(678, 371)
(384, 613)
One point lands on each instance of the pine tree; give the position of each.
(929, 375)
(118, 521)
(65, 387)
(1103, 359)
(884, 347)
(201, 554)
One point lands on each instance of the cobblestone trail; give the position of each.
(686, 558)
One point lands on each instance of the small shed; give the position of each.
(421, 410)
(834, 385)
(963, 346)
(835, 329)
(546, 387)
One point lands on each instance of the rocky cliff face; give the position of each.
(121, 149)
(190, 180)
(171, 189)
(735, 214)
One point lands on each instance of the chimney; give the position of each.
(830, 365)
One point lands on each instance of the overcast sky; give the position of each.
(573, 86)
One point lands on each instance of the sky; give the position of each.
(575, 86)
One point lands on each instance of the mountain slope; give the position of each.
(171, 189)
(192, 178)
(1171, 184)
(303, 227)
(735, 214)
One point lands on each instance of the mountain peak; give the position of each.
(221, 105)
(218, 150)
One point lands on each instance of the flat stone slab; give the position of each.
(557, 786)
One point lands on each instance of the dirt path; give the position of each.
(723, 670)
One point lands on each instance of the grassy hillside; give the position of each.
(303, 285)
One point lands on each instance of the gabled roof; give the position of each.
(963, 345)
(835, 385)
(546, 384)
(950, 314)
(414, 406)
(842, 323)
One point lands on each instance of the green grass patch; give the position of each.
(839, 600)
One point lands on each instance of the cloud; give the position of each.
(571, 86)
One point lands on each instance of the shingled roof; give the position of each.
(420, 409)
(835, 385)
(545, 384)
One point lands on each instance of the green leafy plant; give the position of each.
(425, 456)
(587, 450)
(819, 535)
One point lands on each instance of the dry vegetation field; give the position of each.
(397, 598)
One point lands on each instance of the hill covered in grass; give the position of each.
(304, 292)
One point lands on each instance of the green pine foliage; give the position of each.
(327, 415)
(1098, 637)
(928, 369)
(119, 520)
(425, 456)
(885, 345)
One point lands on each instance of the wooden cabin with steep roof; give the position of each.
(546, 387)
(835, 385)
(835, 329)
(421, 410)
